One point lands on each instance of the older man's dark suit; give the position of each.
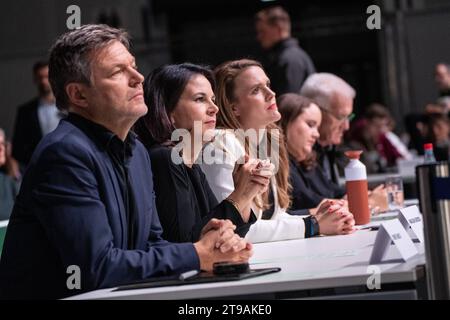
(70, 211)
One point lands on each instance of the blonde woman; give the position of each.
(247, 107)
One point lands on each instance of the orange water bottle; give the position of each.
(357, 188)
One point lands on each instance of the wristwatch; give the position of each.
(315, 226)
(312, 227)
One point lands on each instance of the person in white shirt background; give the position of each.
(36, 118)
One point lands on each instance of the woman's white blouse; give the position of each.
(218, 161)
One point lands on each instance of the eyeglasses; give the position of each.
(348, 118)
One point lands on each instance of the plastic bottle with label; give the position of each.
(428, 153)
(357, 188)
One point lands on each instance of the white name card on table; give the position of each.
(411, 217)
(389, 231)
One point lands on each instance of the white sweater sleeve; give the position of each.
(218, 168)
(219, 174)
(281, 227)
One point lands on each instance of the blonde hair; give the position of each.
(225, 75)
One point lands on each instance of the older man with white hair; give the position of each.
(335, 98)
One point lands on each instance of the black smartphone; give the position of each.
(228, 267)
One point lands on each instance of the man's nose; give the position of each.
(136, 77)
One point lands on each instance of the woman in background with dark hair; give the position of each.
(300, 121)
(182, 97)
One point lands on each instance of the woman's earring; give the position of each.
(235, 110)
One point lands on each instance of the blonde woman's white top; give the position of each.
(226, 149)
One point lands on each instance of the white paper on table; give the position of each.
(411, 217)
(394, 231)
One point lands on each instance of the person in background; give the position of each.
(247, 105)
(87, 198)
(442, 78)
(35, 118)
(335, 99)
(300, 121)
(8, 185)
(179, 97)
(287, 64)
(438, 135)
(374, 135)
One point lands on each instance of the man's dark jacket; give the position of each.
(70, 212)
(287, 66)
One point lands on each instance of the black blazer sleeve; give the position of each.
(182, 210)
(303, 195)
(224, 210)
(77, 217)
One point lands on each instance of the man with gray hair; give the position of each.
(85, 217)
(335, 98)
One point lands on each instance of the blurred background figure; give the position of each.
(8, 184)
(374, 135)
(438, 135)
(442, 78)
(287, 64)
(35, 118)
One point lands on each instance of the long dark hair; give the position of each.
(162, 90)
(290, 106)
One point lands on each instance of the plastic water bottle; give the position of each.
(429, 154)
(357, 188)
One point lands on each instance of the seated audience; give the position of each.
(438, 135)
(300, 121)
(373, 134)
(181, 97)
(335, 99)
(247, 106)
(86, 207)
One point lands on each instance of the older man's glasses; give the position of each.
(348, 118)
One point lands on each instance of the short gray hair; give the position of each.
(70, 56)
(2, 133)
(321, 87)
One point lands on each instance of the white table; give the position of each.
(311, 264)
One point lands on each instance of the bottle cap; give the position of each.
(353, 154)
(428, 146)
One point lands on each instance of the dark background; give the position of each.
(393, 65)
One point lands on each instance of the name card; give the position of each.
(392, 231)
(410, 217)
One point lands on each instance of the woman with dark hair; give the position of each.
(300, 122)
(180, 99)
